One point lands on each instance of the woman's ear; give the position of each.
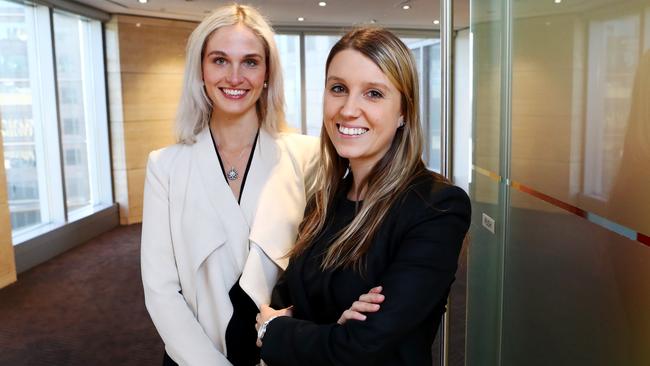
(400, 121)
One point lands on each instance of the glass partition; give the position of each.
(572, 263)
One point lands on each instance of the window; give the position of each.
(289, 48)
(18, 108)
(316, 50)
(72, 157)
(72, 57)
(44, 155)
(71, 126)
(427, 58)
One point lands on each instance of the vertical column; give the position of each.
(446, 95)
(446, 34)
(7, 259)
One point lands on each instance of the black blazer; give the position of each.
(414, 257)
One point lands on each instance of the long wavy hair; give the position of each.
(392, 174)
(195, 106)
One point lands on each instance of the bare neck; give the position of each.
(360, 171)
(233, 133)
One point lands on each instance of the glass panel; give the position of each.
(17, 103)
(576, 289)
(289, 48)
(71, 68)
(316, 50)
(575, 293)
(589, 92)
(485, 253)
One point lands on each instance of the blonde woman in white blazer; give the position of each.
(222, 206)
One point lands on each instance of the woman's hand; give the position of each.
(367, 303)
(266, 313)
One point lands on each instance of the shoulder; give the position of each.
(302, 149)
(296, 143)
(429, 194)
(163, 160)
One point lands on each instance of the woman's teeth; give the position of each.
(234, 92)
(352, 131)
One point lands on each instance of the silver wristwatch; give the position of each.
(262, 330)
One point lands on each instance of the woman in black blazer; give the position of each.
(379, 219)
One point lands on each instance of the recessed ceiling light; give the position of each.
(322, 3)
(301, 19)
(406, 6)
(373, 21)
(558, 1)
(436, 22)
(142, 1)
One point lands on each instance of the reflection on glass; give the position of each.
(580, 134)
(613, 57)
(575, 109)
(289, 48)
(69, 48)
(16, 112)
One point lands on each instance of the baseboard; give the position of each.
(37, 250)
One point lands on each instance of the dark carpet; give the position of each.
(84, 307)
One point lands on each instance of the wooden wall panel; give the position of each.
(145, 64)
(7, 258)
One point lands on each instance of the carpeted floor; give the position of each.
(86, 307)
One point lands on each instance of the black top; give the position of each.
(343, 213)
(240, 333)
(413, 256)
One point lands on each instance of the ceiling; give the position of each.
(337, 13)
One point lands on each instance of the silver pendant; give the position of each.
(232, 174)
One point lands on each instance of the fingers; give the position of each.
(364, 307)
(374, 298)
(350, 315)
(289, 311)
(376, 290)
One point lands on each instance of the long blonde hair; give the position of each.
(394, 172)
(195, 107)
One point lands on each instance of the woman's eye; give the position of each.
(250, 63)
(336, 89)
(375, 94)
(219, 61)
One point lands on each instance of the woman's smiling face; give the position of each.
(234, 70)
(361, 107)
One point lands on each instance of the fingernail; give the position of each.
(363, 317)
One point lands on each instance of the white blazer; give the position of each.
(197, 241)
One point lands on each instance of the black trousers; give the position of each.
(167, 361)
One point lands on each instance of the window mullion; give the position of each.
(51, 125)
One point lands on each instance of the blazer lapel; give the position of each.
(265, 158)
(281, 204)
(218, 194)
